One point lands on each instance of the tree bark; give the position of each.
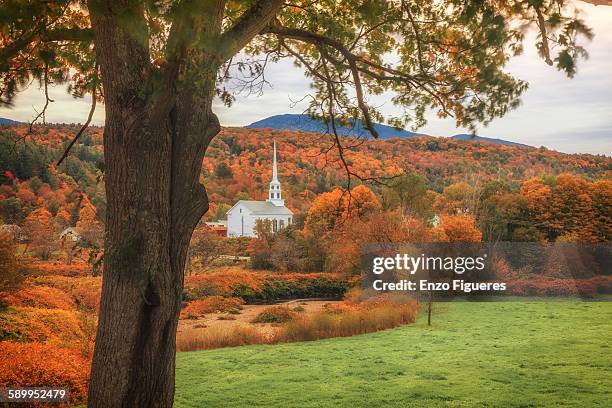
(158, 124)
(154, 201)
(157, 128)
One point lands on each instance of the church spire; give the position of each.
(274, 192)
(274, 170)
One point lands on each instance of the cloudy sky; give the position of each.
(573, 116)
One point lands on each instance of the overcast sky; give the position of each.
(569, 115)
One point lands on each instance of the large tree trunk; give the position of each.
(154, 201)
(156, 133)
(159, 122)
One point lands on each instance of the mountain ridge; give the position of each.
(304, 123)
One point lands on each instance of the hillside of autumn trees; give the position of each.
(515, 193)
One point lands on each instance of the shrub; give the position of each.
(46, 365)
(200, 307)
(12, 272)
(300, 285)
(84, 290)
(274, 314)
(261, 287)
(229, 282)
(56, 326)
(40, 296)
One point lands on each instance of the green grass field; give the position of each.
(491, 354)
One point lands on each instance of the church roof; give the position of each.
(263, 207)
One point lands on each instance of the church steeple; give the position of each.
(274, 193)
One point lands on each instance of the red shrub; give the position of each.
(60, 327)
(40, 296)
(212, 304)
(84, 290)
(46, 365)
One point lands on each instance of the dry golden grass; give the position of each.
(348, 320)
(217, 337)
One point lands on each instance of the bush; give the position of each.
(274, 314)
(44, 365)
(83, 290)
(261, 287)
(56, 326)
(299, 286)
(41, 297)
(212, 304)
(12, 271)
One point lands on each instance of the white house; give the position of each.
(241, 218)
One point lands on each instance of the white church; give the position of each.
(241, 218)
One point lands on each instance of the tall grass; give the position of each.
(348, 320)
(217, 337)
(325, 324)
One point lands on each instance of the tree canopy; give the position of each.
(448, 56)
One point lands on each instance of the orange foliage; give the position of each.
(40, 296)
(222, 282)
(458, 228)
(40, 228)
(55, 326)
(329, 210)
(46, 365)
(83, 290)
(571, 208)
(211, 304)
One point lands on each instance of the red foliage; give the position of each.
(212, 304)
(458, 228)
(54, 326)
(41, 297)
(44, 365)
(83, 290)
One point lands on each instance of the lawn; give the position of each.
(492, 354)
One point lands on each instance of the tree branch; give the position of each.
(544, 34)
(247, 26)
(47, 99)
(82, 129)
(60, 34)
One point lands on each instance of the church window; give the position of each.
(275, 226)
(282, 224)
